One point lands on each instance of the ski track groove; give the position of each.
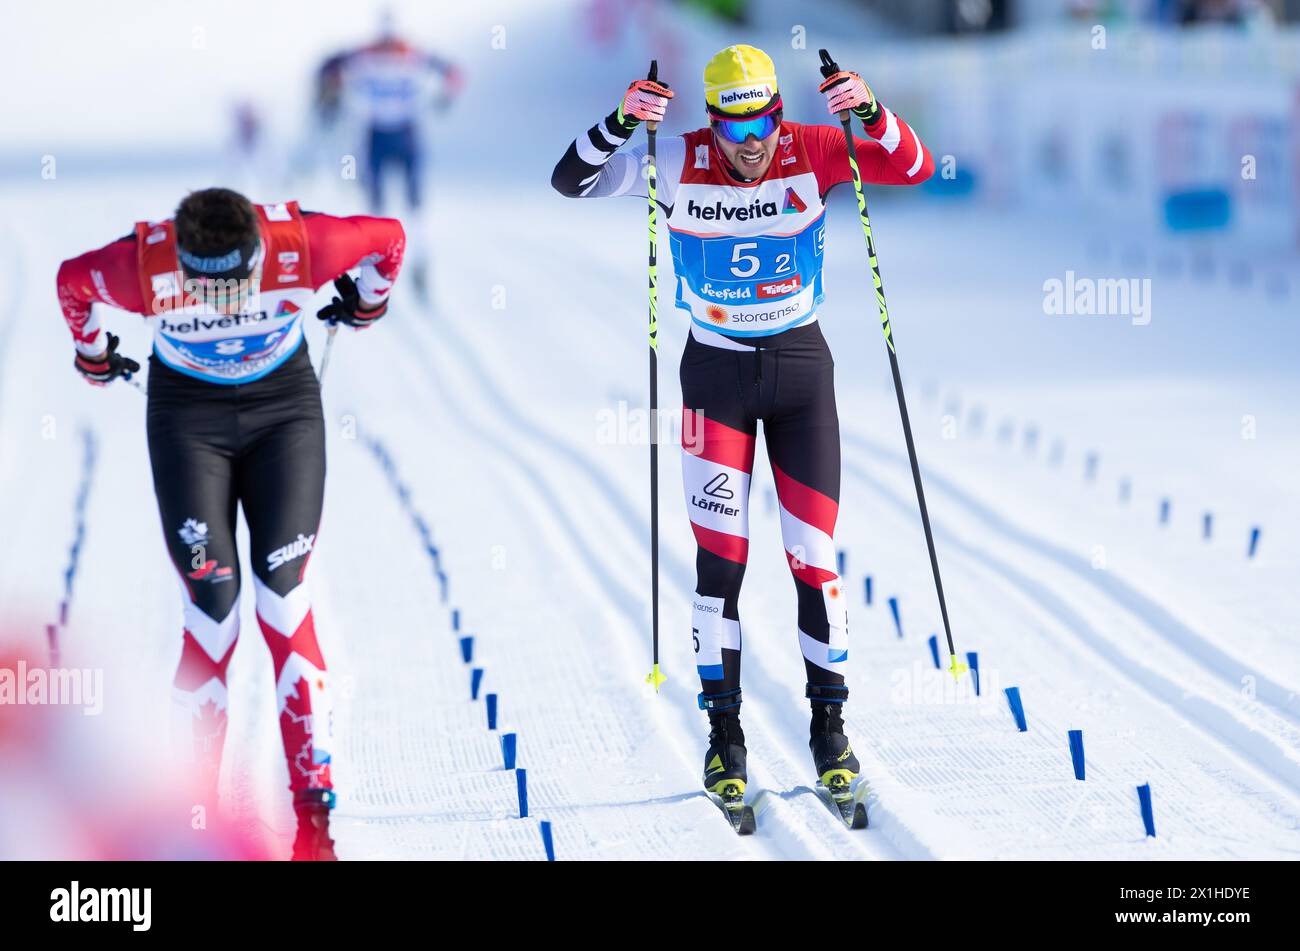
(1214, 718)
(478, 781)
(1214, 659)
(1213, 721)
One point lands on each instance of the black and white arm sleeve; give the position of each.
(592, 167)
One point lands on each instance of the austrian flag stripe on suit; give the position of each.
(716, 465)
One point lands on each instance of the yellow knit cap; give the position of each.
(739, 80)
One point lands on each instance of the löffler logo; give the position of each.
(717, 489)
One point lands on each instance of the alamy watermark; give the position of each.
(1098, 297)
(53, 686)
(626, 425)
(923, 685)
(78, 903)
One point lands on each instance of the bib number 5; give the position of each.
(737, 255)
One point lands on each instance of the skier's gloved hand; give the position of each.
(644, 101)
(348, 308)
(846, 90)
(108, 366)
(452, 82)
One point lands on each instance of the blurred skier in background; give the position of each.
(389, 88)
(234, 418)
(249, 157)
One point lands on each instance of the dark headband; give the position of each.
(235, 264)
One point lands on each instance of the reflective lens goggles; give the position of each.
(738, 130)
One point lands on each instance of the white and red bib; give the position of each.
(748, 257)
(228, 348)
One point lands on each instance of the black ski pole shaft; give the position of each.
(828, 69)
(655, 677)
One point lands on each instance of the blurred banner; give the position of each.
(1156, 129)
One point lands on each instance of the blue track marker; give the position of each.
(1207, 525)
(521, 776)
(442, 586)
(455, 620)
(475, 682)
(52, 640)
(492, 711)
(1144, 801)
(467, 649)
(1076, 752)
(866, 589)
(841, 559)
(1125, 490)
(893, 609)
(1254, 542)
(1017, 708)
(1164, 511)
(1090, 467)
(548, 843)
(973, 662)
(934, 650)
(508, 747)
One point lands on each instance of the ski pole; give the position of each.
(828, 69)
(139, 387)
(325, 357)
(655, 677)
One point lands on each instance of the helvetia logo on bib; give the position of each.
(720, 212)
(794, 205)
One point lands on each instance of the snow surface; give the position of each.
(1176, 655)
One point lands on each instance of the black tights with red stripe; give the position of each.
(788, 384)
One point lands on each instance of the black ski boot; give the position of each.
(724, 763)
(313, 842)
(833, 757)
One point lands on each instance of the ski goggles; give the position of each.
(739, 130)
